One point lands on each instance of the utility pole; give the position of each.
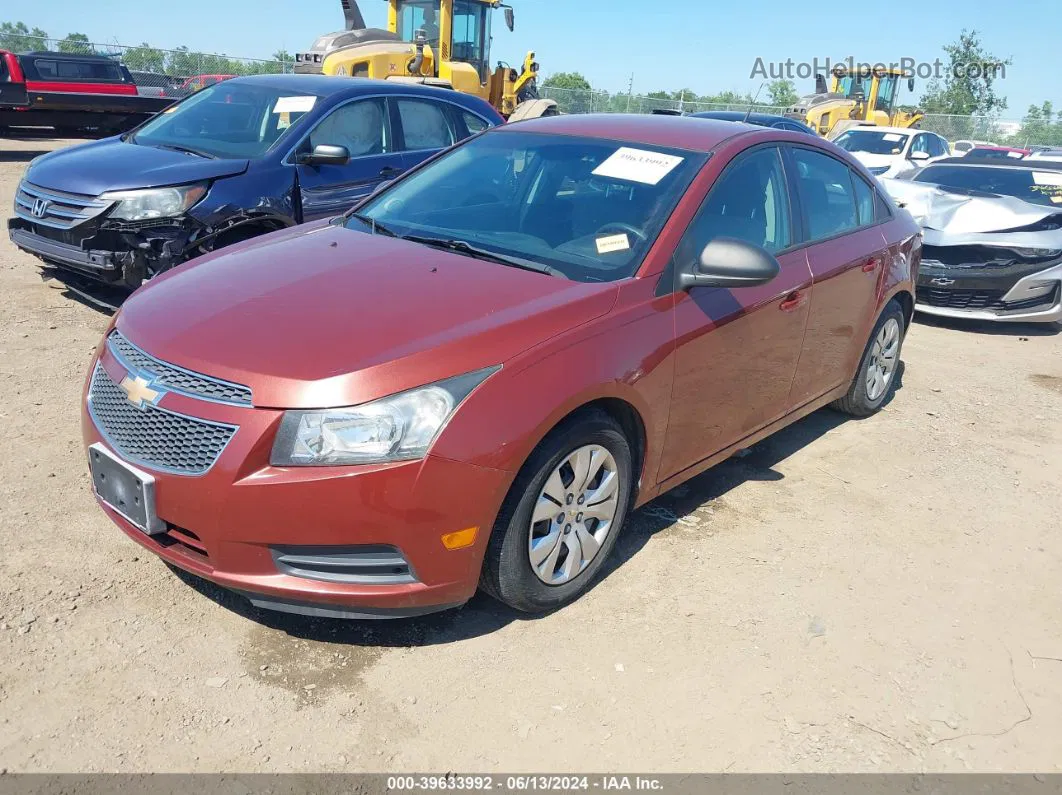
(630, 91)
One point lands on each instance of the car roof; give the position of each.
(330, 85)
(68, 56)
(996, 148)
(879, 128)
(737, 115)
(680, 132)
(995, 162)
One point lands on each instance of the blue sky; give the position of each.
(706, 46)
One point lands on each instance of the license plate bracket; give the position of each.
(125, 489)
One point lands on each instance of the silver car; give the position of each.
(992, 238)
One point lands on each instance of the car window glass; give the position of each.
(882, 212)
(826, 194)
(424, 124)
(473, 122)
(921, 144)
(864, 196)
(748, 202)
(359, 126)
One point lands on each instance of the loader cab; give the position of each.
(458, 30)
(873, 90)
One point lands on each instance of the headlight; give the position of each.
(396, 428)
(142, 205)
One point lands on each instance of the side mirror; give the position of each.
(325, 155)
(728, 262)
(910, 84)
(510, 18)
(918, 156)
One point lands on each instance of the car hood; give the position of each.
(319, 315)
(112, 164)
(876, 161)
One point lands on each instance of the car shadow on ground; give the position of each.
(20, 155)
(989, 327)
(483, 615)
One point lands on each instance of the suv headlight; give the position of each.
(143, 205)
(396, 428)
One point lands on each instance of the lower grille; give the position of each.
(960, 299)
(363, 565)
(152, 436)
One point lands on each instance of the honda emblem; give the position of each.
(40, 208)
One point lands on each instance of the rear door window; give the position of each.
(864, 197)
(826, 194)
(425, 125)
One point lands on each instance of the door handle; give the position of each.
(792, 301)
(390, 171)
(870, 265)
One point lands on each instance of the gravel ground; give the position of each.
(851, 596)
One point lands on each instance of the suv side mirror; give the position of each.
(325, 155)
(918, 156)
(728, 262)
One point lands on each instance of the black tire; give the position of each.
(857, 402)
(507, 574)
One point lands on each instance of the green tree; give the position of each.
(968, 86)
(145, 58)
(76, 43)
(782, 93)
(1041, 125)
(17, 37)
(572, 81)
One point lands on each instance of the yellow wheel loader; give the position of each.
(437, 42)
(861, 96)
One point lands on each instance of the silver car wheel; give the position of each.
(884, 355)
(573, 514)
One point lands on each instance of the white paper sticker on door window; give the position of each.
(612, 243)
(637, 165)
(301, 104)
(1047, 177)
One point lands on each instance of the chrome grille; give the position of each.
(152, 436)
(177, 379)
(58, 209)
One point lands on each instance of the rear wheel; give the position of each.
(876, 378)
(562, 516)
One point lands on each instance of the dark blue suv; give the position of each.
(238, 159)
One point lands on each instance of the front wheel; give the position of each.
(876, 377)
(562, 516)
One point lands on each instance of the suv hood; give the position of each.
(320, 316)
(112, 164)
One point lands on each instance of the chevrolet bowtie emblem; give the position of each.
(138, 391)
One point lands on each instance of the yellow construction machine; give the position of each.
(857, 96)
(437, 42)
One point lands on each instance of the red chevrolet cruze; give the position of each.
(473, 378)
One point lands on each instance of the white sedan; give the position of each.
(895, 152)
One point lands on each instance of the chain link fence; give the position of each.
(582, 101)
(156, 71)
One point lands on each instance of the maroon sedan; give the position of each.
(474, 377)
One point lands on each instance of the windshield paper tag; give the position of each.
(637, 165)
(301, 104)
(892, 137)
(612, 243)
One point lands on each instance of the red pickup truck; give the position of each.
(71, 93)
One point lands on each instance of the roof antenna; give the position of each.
(749, 111)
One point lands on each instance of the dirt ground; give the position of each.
(852, 596)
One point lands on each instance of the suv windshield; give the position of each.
(872, 142)
(230, 120)
(587, 208)
(1036, 187)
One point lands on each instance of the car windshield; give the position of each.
(872, 142)
(586, 208)
(227, 120)
(1036, 187)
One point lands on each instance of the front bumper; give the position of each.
(118, 255)
(261, 530)
(1032, 298)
